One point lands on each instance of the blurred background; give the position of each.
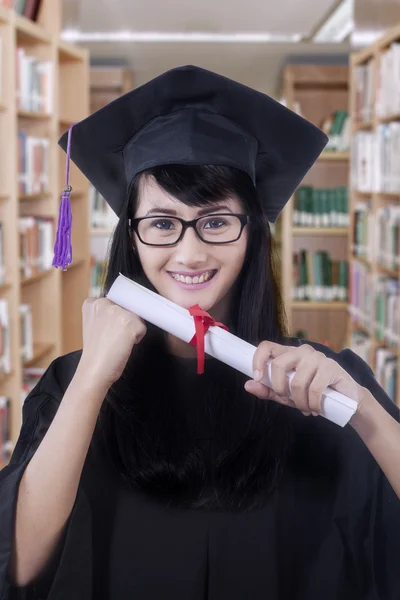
(336, 243)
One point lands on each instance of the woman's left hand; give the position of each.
(314, 372)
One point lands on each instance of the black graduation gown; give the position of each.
(332, 532)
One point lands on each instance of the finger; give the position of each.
(266, 351)
(300, 384)
(265, 393)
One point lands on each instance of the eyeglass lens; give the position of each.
(166, 230)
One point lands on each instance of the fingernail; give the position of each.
(314, 414)
(257, 375)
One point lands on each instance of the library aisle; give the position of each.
(336, 243)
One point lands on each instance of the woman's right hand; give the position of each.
(109, 334)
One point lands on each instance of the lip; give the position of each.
(193, 287)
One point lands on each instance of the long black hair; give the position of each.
(148, 427)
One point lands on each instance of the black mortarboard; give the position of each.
(191, 116)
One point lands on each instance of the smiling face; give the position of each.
(192, 271)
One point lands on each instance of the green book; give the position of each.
(343, 279)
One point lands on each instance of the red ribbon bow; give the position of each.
(202, 322)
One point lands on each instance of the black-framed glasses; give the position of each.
(220, 228)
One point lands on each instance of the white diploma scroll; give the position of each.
(218, 343)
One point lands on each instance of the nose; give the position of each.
(191, 251)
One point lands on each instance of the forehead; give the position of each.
(151, 195)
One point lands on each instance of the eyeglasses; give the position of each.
(221, 228)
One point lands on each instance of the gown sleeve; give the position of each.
(367, 515)
(61, 574)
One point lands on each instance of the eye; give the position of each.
(164, 224)
(214, 223)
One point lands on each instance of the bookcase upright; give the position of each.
(374, 250)
(318, 91)
(55, 298)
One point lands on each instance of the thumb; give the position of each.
(262, 391)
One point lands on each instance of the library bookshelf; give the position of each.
(54, 298)
(316, 91)
(373, 326)
(107, 83)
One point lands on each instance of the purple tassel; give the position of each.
(63, 247)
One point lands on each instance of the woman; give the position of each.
(133, 476)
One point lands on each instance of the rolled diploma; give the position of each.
(218, 343)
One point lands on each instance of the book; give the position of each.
(320, 207)
(319, 278)
(97, 276)
(364, 91)
(375, 166)
(361, 296)
(101, 214)
(5, 347)
(26, 344)
(33, 164)
(388, 83)
(34, 83)
(6, 445)
(36, 242)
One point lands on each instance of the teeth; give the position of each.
(193, 280)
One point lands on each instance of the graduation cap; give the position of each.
(189, 116)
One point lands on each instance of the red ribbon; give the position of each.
(202, 322)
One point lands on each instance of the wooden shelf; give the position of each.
(36, 278)
(4, 287)
(55, 302)
(5, 377)
(40, 351)
(33, 116)
(4, 14)
(324, 231)
(101, 231)
(30, 33)
(335, 156)
(363, 125)
(320, 90)
(389, 119)
(33, 197)
(311, 305)
(76, 264)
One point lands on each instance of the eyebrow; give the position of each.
(204, 211)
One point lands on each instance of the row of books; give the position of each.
(318, 277)
(375, 166)
(338, 129)
(364, 92)
(376, 235)
(5, 433)
(36, 242)
(26, 342)
(26, 8)
(385, 362)
(5, 348)
(321, 207)
(101, 215)
(33, 164)
(374, 303)
(97, 273)
(388, 82)
(34, 83)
